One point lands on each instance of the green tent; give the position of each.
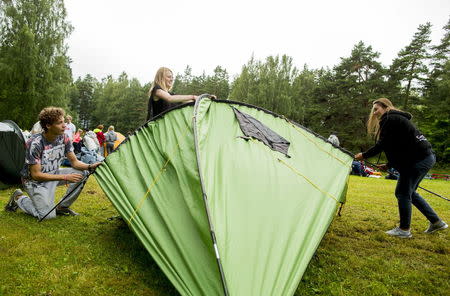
(12, 153)
(229, 199)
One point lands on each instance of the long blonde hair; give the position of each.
(159, 80)
(373, 123)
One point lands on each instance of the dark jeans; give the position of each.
(406, 192)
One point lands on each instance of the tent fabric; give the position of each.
(251, 127)
(183, 185)
(12, 156)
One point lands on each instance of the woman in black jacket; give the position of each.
(409, 152)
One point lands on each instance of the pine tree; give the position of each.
(34, 66)
(409, 69)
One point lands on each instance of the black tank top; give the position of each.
(159, 106)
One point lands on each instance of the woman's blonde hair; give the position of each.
(373, 123)
(159, 80)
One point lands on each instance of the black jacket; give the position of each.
(159, 106)
(400, 140)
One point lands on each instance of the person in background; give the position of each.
(77, 141)
(101, 139)
(90, 141)
(36, 129)
(42, 173)
(110, 138)
(409, 152)
(358, 169)
(160, 96)
(70, 128)
(333, 139)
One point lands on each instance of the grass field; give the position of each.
(93, 255)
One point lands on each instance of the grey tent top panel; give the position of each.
(251, 127)
(4, 127)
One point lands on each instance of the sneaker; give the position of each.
(440, 225)
(399, 232)
(12, 206)
(66, 212)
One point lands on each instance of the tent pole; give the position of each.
(205, 198)
(374, 165)
(82, 182)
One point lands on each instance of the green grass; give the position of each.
(91, 255)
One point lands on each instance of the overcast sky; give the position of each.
(139, 36)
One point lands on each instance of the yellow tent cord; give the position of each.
(308, 180)
(153, 183)
(147, 193)
(300, 174)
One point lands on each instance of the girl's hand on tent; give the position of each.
(92, 167)
(193, 99)
(95, 165)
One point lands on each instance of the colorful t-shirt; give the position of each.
(48, 155)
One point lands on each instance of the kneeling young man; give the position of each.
(42, 173)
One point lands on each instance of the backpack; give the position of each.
(90, 156)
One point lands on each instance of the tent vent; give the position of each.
(251, 127)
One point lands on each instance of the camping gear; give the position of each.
(120, 139)
(228, 198)
(12, 153)
(90, 156)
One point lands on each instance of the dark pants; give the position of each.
(109, 147)
(77, 147)
(406, 192)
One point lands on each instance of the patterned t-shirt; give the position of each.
(48, 154)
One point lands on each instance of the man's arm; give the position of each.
(38, 175)
(79, 165)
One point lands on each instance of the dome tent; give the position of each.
(228, 198)
(12, 156)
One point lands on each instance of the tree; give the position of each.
(268, 84)
(435, 122)
(441, 53)
(342, 96)
(119, 102)
(82, 100)
(303, 94)
(244, 87)
(217, 84)
(34, 67)
(409, 68)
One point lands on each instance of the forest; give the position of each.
(35, 72)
